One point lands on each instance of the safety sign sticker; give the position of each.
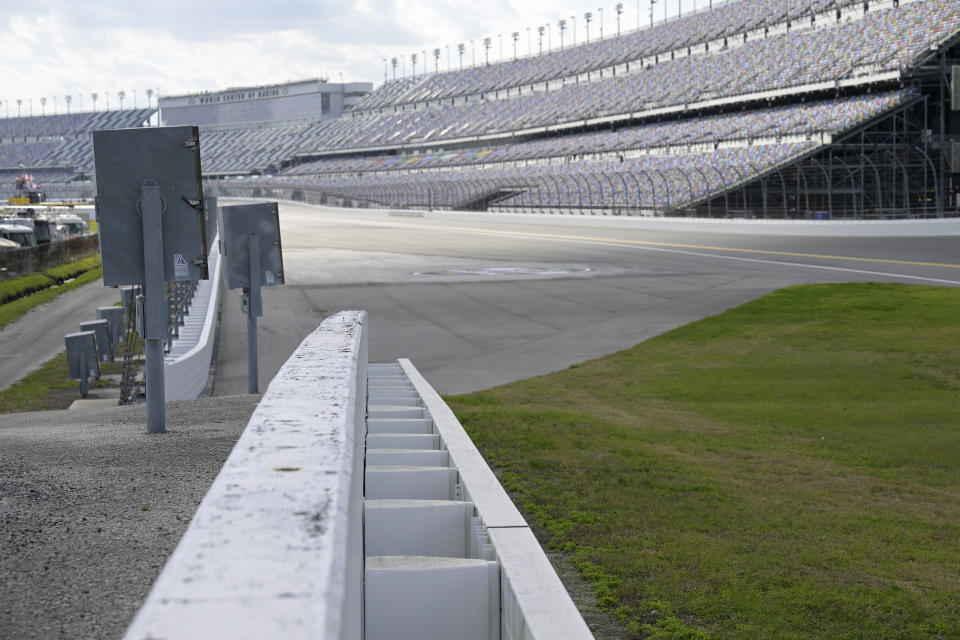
(179, 266)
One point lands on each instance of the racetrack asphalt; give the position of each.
(477, 301)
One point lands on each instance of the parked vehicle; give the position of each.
(71, 226)
(23, 236)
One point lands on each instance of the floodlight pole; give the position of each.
(154, 304)
(254, 309)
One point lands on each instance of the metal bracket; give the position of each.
(196, 204)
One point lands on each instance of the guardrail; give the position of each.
(275, 547)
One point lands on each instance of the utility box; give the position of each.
(101, 329)
(82, 354)
(237, 224)
(114, 318)
(126, 160)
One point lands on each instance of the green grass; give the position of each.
(787, 469)
(49, 387)
(73, 269)
(23, 293)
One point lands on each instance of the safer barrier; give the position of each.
(275, 548)
(432, 499)
(187, 364)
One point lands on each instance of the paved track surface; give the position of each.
(468, 332)
(37, 336)
(91, 506)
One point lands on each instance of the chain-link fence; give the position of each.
(16, 262)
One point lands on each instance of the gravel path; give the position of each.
(91, 506)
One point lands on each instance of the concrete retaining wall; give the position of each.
(275, 548)
(862, 228)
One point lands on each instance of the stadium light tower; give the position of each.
(19, 101)
(108, 99)
(573, 19)
(549, 38)
(652, 2)
(149, 97)
(460, 49)
(69, 99)
(43, 106)
(563, 27)
(486, 51)
(447, 47)
(515, 35)
(384, 71)
(587, 17)
(529, 43)
(473, 53)
(619, 9)
(121, 94)
(31, 106)
(55, 105)
(436, 61)
(413, 60)
(540, 31)
(600, 9)
(500, 39)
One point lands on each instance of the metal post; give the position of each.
(83, 371)
(154, 306)
(254, 309)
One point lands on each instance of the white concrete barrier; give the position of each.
(187, 366)
(275, 548)
(436, 516)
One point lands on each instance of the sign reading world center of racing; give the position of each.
(125, 160)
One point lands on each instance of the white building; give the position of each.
(314, 99)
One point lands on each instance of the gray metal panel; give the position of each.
(76, 343)
(236, 225)
(101, 328)
(113, 315)
(125, 159)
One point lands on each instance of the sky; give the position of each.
(52, 48)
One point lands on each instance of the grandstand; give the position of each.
(770, 108)
(58, 149)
